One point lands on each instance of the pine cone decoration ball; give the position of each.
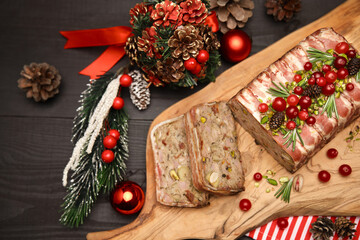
(322, 229)
(41, 81)
(344, 227)
(282, 9)
(139, 92)
(232, 13)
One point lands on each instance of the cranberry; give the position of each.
(351, 53)
(329, 89)
(342, 73)
(324, 176)
(311, 81)
(297, 78)
(345, 170)
(305, 102)
(282, 223)
(303, 115)
(298, 90)
(332, 153)
(308, 66)
(292, 112)
(326, 68)
(279, 104)
(340, 62)
(331, 76)
(292, 100)
(317, 75)
(257, 176)
(290, 125)
(321, 81)
(263, 107)
(342, 47)
(245, 204)
(349, 87)
(311, 121)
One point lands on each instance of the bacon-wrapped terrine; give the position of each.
(212, 140)
(301, 75)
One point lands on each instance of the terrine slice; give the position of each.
(213, 150)
(174, 184)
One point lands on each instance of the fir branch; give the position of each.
(212, 64)
(141, 22)
(279, 91)
(291, 138)
(330, 107)
(285, 191)
(316, 55)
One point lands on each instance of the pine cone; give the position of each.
(186, 42)
(170, 70)
(138, 10)
(145, 43)
(312, 91)
(322, 229)
(353, 66)
(40, 80)
(344, 227)
(131, 50)
(211, 41)
(139, 92)
(166, 13)
(232, 13)
(282, 9)
(193, 11)
(276, 120)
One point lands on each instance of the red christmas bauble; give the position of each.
(115, 133)
(127, 198)
(125, 80)
(107, 156)
(235, 45)
(203, 56)
(109, 142)
(118, 103)
(190, 64)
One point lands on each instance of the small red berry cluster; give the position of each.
(110, 142)
(344, 169)
(125, 81)
(195, 65)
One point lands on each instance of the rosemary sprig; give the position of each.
(279, 91)
(358, 76)
(285, 191)
(316, 55)
(330, 107)
(291, 138)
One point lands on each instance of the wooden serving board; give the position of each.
(223, 219)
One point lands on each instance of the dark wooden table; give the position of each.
(35, 137)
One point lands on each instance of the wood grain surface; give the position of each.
(223, 219)
(35, 138)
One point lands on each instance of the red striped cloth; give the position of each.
(298, 229)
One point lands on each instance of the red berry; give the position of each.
(324, 176)
(203, 56)
(329, 89)
(107, 156)
(321, 81)
(115, 133)
(292, 100)
(326, 68)
(298, 90)
(332, 153)
(263, 107)
(109, 142)
(351, 53)
(349, 87)
(311, 81)
(345, 170)
(197, 69)
(331, 76)
(245, 204)
(308, 66)
(257, 176)
(279, 104)
(311, 121)
(297, 78)
(342, 47)
(292, 112)
(305, 102)
(340, 62)
(342, 73)
(118, 103)
(190, 64)
(303, 115)
(282, 223)
(125, 80)
(290, 125)
(316, 75)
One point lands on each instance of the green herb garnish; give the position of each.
(330, 107)
(316, 55)
(285, 190)
(292, 135)
(279, 91)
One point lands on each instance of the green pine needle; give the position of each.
(316, 55)
(358, 76)
(330, 107)
(279, 91)
(291, 138)
(285, 191)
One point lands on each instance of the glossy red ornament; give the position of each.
(109, 142)
(235, 45)
(203, 56)
(245, 204)
(190, 64)
(127, 198)
(324, 176)
(282, 223)
(125, 80)
(107, 156)
(118, 103)
(345, 170)
(115, 133)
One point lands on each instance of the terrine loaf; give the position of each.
(174, 185)
(294, 107)
(212, 140)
